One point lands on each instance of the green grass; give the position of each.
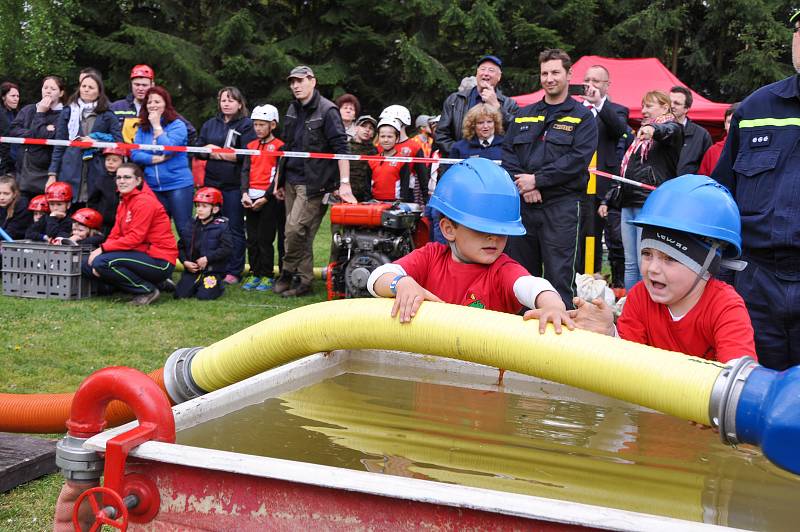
(50, 346)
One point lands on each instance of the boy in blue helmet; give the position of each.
(690, 227)
(480, 209)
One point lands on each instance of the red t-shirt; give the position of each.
(716, 328)
(473, 285)
(262, 167)
(387, 177)
(711, 158)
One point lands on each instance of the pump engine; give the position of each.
(367, 235)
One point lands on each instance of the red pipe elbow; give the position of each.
(132, 387)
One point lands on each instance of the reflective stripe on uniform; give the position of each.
(522, 119)
(777, 122)
(570, 119)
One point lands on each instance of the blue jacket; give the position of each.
(211, 240)
(225, 175)
(760, 165)
(68, 163)
(125, 111)
(464, 149)
(173, 173)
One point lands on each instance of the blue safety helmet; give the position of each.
(478, 194)
(698, 205)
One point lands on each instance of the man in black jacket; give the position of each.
(312, 123)
(612, 120)
(547, 151)
(696, 140)
(455, 107)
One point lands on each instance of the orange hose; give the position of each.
(48, 413)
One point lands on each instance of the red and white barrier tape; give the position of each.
(299, 154)
(621, 179)
(231, 151)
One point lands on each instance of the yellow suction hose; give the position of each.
(670, 382)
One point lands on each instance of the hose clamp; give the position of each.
(725, 397)
(76, 462)
(178, 375)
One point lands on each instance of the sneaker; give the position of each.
(300, 290)
(167, 285)
(283, 284)
(265, 285)
(253, 282)
(146, 299)
(231, 279)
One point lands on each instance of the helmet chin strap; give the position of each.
(457, 254)
(703, 269)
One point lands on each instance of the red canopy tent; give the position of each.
(631, 78)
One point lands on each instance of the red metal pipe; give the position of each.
(132, 387)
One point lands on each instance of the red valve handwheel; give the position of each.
(109, 498)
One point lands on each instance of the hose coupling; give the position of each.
(725, 397)
(76, 462)
(178, 375)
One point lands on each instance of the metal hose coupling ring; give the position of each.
(77, 463)
(178, 375)
(725, 397)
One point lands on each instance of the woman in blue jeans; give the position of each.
(230, 128)
(167, 173)
(651, 159)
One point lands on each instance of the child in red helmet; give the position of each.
(204, 248)
(57, 223)
(86, 228)
(39, 207)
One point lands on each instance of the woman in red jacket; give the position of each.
(140, 251)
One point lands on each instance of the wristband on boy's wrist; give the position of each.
(393, 284)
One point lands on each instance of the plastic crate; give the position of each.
(39, 270)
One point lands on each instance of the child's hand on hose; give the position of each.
(410, 296)
(550, 308)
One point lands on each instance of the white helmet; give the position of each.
(388, 121)
(265, 112)
(398, 112)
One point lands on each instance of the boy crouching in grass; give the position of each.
(480, 209)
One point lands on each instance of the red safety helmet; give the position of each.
(142, 71)
(39, 204)
(88, 217)
(122, 152)
(208, 195)
(58, 191)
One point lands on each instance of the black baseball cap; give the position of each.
(794, 18)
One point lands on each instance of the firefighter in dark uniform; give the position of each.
(547, 150)
(760, 164)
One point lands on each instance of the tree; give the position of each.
(412, 52)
